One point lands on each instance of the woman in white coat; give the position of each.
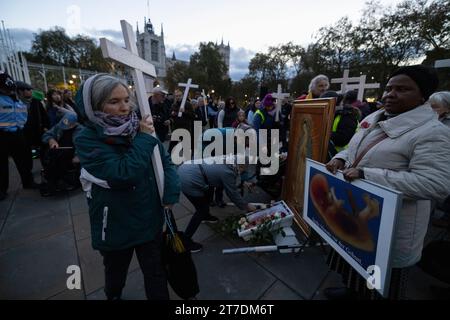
(411, 156)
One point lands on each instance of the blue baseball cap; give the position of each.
(68, 121)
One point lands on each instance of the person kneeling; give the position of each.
(198, 179)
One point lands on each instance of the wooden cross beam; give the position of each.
(205, 102)
(362, 86)
(130, 58)
(279, 96)
(187, 85)
(345, 80)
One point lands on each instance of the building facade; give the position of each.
(151, 48)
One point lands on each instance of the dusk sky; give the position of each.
(250, 26)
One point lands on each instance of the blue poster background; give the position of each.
(362, 257)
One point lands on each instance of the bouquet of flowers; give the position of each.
(245, 223)
(262, 225)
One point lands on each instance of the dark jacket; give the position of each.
(346, 127)
(230, 116)
(186, 121)
(37, 122)
(129, 212)
(160, 113)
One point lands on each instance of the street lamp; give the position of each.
(74, 76)
(212, 91)
(71, 81)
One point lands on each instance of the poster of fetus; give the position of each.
(357, 219)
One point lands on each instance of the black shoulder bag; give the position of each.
(180, 268)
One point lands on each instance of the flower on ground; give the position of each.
(246, 224)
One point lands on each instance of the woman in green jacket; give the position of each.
(126, 212)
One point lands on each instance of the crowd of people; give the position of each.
(99, 140)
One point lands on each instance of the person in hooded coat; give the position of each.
(125, 209)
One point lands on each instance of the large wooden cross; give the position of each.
(279, 95)
(352, 83)
(361, 86)
(345, 80)
(205, 102)
(187, 86)
(130, 58)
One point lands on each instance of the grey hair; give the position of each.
(102, 87)
(316, 80)
(441, 98)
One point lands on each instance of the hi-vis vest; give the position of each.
(13, 114)
(263, 117)
(336, 122)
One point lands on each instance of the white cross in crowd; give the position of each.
(130, 58)
(187, 85)
(279, 96)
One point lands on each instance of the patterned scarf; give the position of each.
(114, 125)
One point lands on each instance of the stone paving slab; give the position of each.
(180, 211)
(78, 203)
(91, 264)
(69, 295)
(29, 203)
(229, 277)
(303, 274)
(82, 226)
(332, 280)
(279, 291)
(5, 206)
(19, 231)
(37, 270)
(186, 203)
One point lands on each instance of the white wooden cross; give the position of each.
(352, 83)
(345, 80)
(442, 63)
(130, 58)
(362, 86)
(279, 96)
(187, 85)
(205, 102)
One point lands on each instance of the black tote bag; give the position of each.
(180, 268)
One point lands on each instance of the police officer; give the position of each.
(13, 116)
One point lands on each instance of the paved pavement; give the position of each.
(41, 237)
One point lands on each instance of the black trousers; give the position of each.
(57, 163)
(201, 205)
(149, 257)
(215, 194)
(14, 144)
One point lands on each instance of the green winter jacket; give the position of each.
(129, 212)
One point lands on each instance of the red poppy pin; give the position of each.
(365, 125)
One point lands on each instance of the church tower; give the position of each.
(151, 47)
(225, 52)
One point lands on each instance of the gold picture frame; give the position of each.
(310, 131)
